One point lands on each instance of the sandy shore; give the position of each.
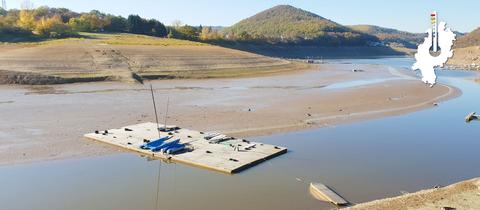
(47, 122)
(462, 195)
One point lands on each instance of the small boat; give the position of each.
(154, 143)
(211, 135)
(165, 144)
(471, 117)
(175, 149)
(324, 193)
(169, 146)
(219, 138)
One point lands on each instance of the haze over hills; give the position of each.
(287, 24)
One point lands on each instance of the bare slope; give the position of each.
(127, 58)
(467, 51)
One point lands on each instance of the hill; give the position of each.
(391, 37)
(126, 57)
(287, 24)
(469, 39)
(466, 52)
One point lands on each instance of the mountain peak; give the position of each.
(285, 23)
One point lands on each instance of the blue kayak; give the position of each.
(153, 144)
(165, 145)
(175, 148)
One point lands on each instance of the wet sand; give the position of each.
(47, 122)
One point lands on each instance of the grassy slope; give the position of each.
(126, 57)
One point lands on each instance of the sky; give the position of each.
(406, 15)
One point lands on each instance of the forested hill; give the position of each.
(287, 24)
(391, 37)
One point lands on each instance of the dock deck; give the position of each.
(230, 156)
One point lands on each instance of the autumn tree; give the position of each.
(26, 20)
(53, 27)
(208, 33)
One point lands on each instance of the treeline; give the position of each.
(45, 22)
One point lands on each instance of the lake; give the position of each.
(362, 161)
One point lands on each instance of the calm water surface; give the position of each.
(362, 161)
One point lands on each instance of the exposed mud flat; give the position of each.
(50, 120)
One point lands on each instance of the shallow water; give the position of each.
(362, 161)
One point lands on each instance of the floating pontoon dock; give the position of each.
(322, 192)
(220, 153)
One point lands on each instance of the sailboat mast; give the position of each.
(155, 110)
(166, 113)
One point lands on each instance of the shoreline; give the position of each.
(460, 195)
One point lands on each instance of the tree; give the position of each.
(156, 28)
(80, 24)
(243, 36)
(96, 20)
(135, 24)
(117, 24)
(208, 33)
(187, 32)
(42, 11)
(26, 20)
(53, 28)
(90, 22)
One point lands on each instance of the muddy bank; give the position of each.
(465, 58)
(317, 52)
(50, 121)
(30, 78)
(92, 60)
(461, 195)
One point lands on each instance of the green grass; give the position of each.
(108, 38)
(130, 39)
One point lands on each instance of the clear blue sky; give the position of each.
(408, 15)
